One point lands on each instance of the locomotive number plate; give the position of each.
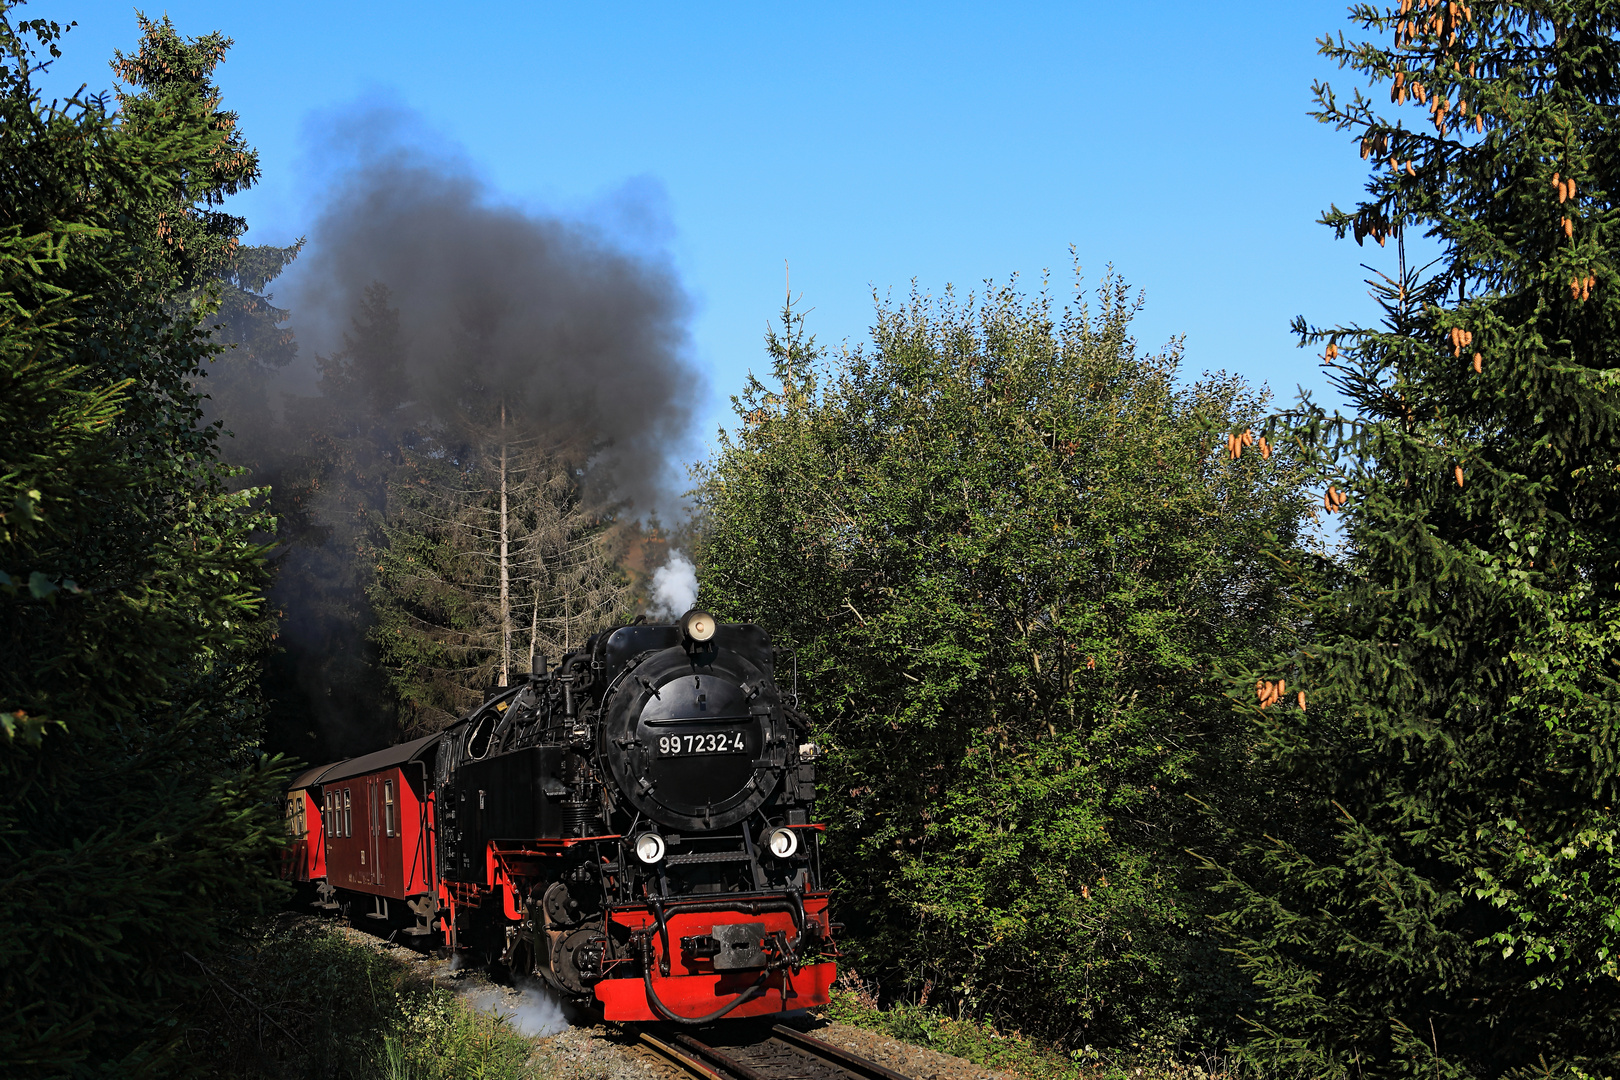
(709, 742)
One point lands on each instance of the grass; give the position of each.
(298, 1000)
(979, 1042)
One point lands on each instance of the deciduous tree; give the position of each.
(1009, 550)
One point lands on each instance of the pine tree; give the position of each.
(1438, 893)
(135, 820)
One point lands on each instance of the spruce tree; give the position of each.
(135, 819)
(1437, 894)
(199, 248)
(435, 545)
(491, 556)
(200, 258)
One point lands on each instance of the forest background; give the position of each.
(1176, 777)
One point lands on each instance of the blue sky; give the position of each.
(867, 144)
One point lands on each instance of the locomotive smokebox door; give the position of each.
(696, 740)
(741, 946)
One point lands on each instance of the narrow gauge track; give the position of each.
(784, 1054)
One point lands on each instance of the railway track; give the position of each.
(783, 1054)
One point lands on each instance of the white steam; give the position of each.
(674, 588)
(531, 1012)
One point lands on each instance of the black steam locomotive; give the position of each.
(634, 826)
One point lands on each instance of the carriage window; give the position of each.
(303, 822)
(292, 822)
(348, 819)
(326, 814)
(388, 807)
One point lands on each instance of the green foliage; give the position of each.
(1437, 893)
(304, 1001)
(134, 813)
(1008, 558)
(973, 1040)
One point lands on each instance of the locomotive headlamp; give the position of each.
(649, 848)
(781, 842)
(698, 625)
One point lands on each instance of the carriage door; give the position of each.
(374, 821)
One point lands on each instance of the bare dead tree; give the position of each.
(475, 526)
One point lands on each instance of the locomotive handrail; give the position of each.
(787, 901)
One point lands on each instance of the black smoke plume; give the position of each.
(420, 295)
(587, 338)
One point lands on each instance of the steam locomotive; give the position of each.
(633, 826)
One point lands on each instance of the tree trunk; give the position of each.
(534, 627)
(506, 596)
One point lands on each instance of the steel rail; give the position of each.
(870, 1070)
(683, 1061)
(720, 1058)
(714, 1063)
